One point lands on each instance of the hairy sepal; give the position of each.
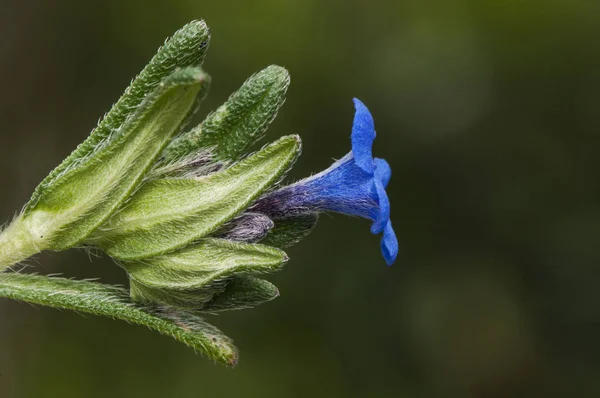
(85, 195)
(167, 214)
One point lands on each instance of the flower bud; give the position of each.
(249, 227)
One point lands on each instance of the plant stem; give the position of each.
(16, 244)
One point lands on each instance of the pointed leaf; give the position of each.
(205, 262)
(192, 276)
(238, 123)
(111, 301)
(85, 195)
(165, 215)
(186, 48)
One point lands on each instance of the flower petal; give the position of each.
(383, 208)
(389, 244)
(383, 171)
(363, 135)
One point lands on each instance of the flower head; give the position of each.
(183, 211)
(354, 185)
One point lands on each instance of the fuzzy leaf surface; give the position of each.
(239, 122)
(114, 302)
(167, 214)
(192, 276)
(81, 199)
(186, 48)
(204, 263)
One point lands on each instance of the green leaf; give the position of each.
(85, 195)
(186, 48)
(191, 276)
(242, 292)
(289, 231)
(238, 123)
(165, 215)
(111, 301)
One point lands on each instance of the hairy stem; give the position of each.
(17, 244)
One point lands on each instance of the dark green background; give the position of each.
(487, 111)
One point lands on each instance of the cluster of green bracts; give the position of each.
(168, 203)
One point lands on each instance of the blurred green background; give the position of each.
(487, 111)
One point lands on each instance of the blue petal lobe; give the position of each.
(383, 171)
(389, 244)
(363, 135)
(383, 203)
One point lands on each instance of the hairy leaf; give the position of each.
(238, 123)
(186, 48)
(111, 301)
(167, 214)
(204, 263)
(84, 196)
(191, 277)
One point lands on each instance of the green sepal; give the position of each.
(86, 194)
(167, 214)
(192, 276)
(114, 302)
(242, 292)
(289, 231)
(240, 122)
(186, 48)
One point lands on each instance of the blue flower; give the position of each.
(354, 185)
